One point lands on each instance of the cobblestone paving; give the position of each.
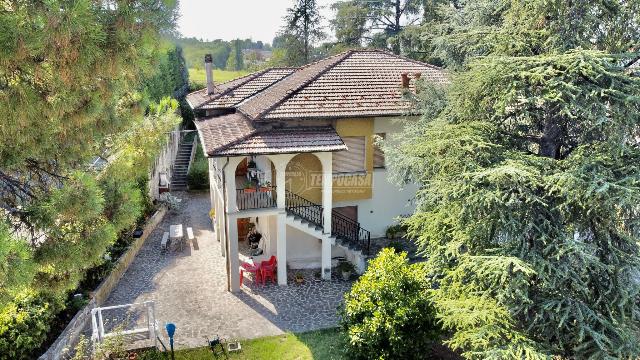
(189, 288)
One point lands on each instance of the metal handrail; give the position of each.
(341, 226)
(304, 208)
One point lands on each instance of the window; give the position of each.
(378, 154)
(351, 160)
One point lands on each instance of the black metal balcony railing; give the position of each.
(260, 198)
(309, 211)
(350, 231)
(342, 227)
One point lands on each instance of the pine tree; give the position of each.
(528, 165)
(302, 27)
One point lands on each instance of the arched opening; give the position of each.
(255, 188)
(303, 177)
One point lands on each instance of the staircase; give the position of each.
(306, 216)
(181, 165)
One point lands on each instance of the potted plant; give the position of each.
(249, 187)
(266, 187)
(298, 278)
(346, 269)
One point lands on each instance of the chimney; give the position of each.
(208, 69)
(405, 80)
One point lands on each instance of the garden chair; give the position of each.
(244, 266)
(268, 269)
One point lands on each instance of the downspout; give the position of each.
(226, 218)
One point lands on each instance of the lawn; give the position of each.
(322, 344)
(198, 78)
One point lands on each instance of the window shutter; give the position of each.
(378, 155)
(351, 160)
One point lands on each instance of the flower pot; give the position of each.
(249, 190)
(265, 189)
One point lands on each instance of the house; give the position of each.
(292, 152)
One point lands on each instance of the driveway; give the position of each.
(189, 288)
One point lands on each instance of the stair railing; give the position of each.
(303, 208)
(350, 231)
(341, 226)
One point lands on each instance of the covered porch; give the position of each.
(259, 198)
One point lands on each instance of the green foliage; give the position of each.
(195, 49)
(529, 28)
(387, 314)
(16, 264)
(236, 58)
(24, 324)
(170, 77)
(302, 30)
(528, 205)
(377, 24)
(198, 176)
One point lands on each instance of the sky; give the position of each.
(231, 19)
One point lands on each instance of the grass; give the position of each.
(198, 78)
(318, 345)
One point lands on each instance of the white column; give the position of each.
(327, 189)
(327, 206)
(232, 260)
(281, 248)
(280, 162)
(231, 208)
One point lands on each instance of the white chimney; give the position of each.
(208, 69)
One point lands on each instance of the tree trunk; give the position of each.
(396, 30)
(550, 141)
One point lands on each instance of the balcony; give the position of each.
(256, 198)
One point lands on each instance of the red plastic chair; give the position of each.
(250, 269)
(268, 269)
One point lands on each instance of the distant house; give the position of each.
(292, 156)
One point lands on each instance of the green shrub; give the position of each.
(388, 314)
(198, 176)
(25, 323)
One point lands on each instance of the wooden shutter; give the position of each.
(351, 160)
(378, 155)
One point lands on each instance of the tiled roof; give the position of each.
(287, 140)
(354, 83)
(258, 105)
(200, 99)
(219, 132)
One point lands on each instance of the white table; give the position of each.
(175, 233)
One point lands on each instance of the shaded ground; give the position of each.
(189, 289)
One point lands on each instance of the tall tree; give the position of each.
(71, 77)
(236, 58)
(528, 165)
(302, 27)
(384, 20)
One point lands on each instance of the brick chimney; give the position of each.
(208, 69)
(405, 80)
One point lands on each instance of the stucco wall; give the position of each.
(388, 201)
(304, 177)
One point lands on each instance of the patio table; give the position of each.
(175, 233)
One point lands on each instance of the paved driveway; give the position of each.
(189, 289)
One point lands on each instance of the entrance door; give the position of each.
(350, 212)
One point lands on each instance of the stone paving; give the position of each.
(189, 288)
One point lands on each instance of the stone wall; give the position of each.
(67, 341)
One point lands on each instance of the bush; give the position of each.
(198, 176)
(25, 323)
(388, 314)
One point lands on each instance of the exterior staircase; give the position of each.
(306, 216)
(181, 165)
